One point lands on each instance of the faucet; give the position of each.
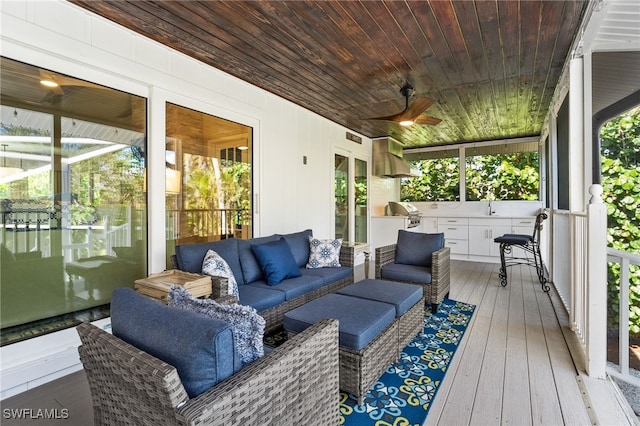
(491, 211)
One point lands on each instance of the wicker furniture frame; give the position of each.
(435, 292)
(410, 324)
(274, 317)
(359, 370)
(296, 383)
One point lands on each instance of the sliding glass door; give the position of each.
(72, 201)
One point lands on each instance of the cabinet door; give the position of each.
(495, 232)
(429, 225)
(479, 242)
(481, 239)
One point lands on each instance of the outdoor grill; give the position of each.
(401, 208)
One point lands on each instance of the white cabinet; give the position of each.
(429, 224)
(456, 233)
(482, 232)
(469, 238)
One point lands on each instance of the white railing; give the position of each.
(186, 223)
(625, 260)
(580, 276)
(580, 314)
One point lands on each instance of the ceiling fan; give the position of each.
(412, 113)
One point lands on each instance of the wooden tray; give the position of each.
(158, 285)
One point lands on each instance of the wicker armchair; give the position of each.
(437, 289)
(296, 383)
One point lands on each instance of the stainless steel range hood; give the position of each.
(387, 159)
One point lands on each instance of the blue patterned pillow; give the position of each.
(324, 253)
(215, 266)
(247, 325)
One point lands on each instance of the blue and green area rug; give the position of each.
(404, 393)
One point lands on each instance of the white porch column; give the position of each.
(596, 284)
(576, 135)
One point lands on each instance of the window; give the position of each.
(502, 172)
(208, 178)
(440, 179)
(496, 171)
(72, 202)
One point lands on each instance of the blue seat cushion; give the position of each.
(293, 287)
(361, 320)
(402, 296)
(260, 298)
(250, 268)
(191, 256)
(299, 245)
(201, 349)
(514, 239)
(413, 273)
(416, 248)
(329, 275)
(276, 261)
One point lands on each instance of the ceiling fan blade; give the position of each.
(426, 120)
(396, 118)
(414, 111)
(417, 107)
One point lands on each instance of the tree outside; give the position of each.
(488, 177)
(620, 177)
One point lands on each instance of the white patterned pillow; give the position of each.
(247, 325)
(215, 266)
(324, 253)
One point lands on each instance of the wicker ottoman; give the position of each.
(407, 299)
(368, 336)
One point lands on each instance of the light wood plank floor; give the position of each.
(513, 366)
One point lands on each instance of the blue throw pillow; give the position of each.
(276, 261)
(201, 349)
(415, 248)
(247, 325)
(299, 245)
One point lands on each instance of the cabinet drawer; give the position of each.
(457, 246)
(490, 222)
(453, 221)
(453, 231)
(517, 223)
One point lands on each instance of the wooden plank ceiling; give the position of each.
(491, 66)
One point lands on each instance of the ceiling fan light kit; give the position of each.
(412, 113)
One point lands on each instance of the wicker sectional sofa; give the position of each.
(271, 301)
(130, 386)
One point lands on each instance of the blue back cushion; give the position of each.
(299, 245)
(250, 268)
(276, 261)
(201, 349)
(191, 256)
(415, 248)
